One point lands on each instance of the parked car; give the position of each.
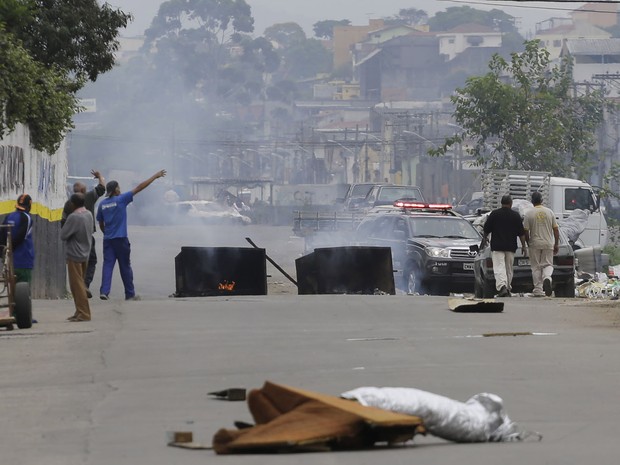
(433, 248)
(470, 208)
(387, 194)
(206, 212)
(563, 272)
(356, 194)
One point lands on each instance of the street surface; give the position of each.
(106, 392)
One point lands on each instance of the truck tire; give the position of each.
(23, 306)
(567, 289)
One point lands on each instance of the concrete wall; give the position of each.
(43, 177)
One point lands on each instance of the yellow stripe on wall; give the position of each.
(8, 206)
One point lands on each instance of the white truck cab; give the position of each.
(562, 195)
(567, 195)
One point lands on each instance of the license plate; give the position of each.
(523, 262)
(468, 266)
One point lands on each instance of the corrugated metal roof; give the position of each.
(593, 46)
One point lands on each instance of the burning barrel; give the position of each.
(346, 270)
(216, 271)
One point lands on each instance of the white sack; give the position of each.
(521, 206)
(481, 419)
(574, 224)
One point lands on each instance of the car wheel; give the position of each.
(567, 289)
(412, 281)
(23, 306)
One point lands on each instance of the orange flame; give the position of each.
(226, 286)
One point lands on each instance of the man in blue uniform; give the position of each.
(21, 238)
(112, 218)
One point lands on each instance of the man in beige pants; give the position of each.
(77, 234)
(543, 239)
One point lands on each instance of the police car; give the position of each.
(433, 248)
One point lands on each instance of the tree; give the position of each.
(457, 15)
(193, 37)
(49, 49)
(34, 95)
(76, 35)
(325, 29)
(285, 34)
(408, 17)
(530, 122)
(305, 60)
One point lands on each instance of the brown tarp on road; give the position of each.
(294, 420)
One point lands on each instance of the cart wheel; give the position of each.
(23, 306)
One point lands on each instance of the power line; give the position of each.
(532, 7)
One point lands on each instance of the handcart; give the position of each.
(15, 300)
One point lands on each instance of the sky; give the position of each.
(307, 12)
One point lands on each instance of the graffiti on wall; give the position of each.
(12, 172)
(47, 177)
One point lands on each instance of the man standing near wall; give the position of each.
(544, 240)
(112, 218)
(21, 238)
(90, 199)
(77, 233)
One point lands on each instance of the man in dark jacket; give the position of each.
(90, 199)
(504, 225)
(21, 238)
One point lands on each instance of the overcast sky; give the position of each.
(307, 12)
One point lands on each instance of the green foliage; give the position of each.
(76, 35)
(285, 34)
(305, 59)
(48, 50)
(325, 29)
(522, 115)
(15, 14)
(614, 254)
(192, 38)
(35, 95)
(457, 15)
(408, 17)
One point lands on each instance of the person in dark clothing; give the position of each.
(21, 238)
(90, 199)
(504, 225)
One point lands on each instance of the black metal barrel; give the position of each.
(346, 270)
(215, 271)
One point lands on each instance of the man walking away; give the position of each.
(77, 233)
(504, 225)
(543, 238)
(112, 218)
(90, 199)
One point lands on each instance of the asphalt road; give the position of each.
(106, 392)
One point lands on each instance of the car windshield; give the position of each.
(396, 193)
(361, 190)
(443, 227)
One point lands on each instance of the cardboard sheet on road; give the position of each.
(476, 305)
(290, 419)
